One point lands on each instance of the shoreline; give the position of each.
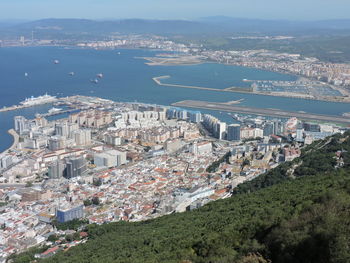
(15, 142)
(157, 80)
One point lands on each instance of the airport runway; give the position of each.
(260, 111)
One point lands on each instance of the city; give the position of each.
(114, 161)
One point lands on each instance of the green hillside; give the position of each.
(298, 212)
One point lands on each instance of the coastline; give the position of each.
(15, 142)
(158, 81)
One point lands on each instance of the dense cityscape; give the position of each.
(112, 161)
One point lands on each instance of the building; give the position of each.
(75, 166)
(201, 148)
(247, 133)
(291, 153)
(82, 137)
(56, 170)
(112, 139)
(277, 127)
(234, 132)
(268, 129)
(91, 119)
(57, 142)
(258, 133)
(195, 117)
(173, 145)
(21, 124)
(312, 127)
(221, 130)
(65, 214)
(61, 129)
(110, 158)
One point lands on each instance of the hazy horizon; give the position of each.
(297, 10)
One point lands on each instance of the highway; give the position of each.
(260, 111)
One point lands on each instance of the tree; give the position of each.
(97, 182)
(95, 200)
(52, 238)
(87, 202)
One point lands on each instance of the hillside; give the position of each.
(298, 212)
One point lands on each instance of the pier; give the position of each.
(217, 106)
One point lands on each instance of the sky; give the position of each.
(175, 9)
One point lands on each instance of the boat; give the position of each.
(54, 110)
(38, 100)
(99, 75)
(26, 74)
(71, 73)
(95, 81)
(56, 61)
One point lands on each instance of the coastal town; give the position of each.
(327, 81)
(109, 161)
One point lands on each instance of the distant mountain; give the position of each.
(275, 26)
(209, 26)
(138, 26)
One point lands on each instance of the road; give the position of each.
(260, 111)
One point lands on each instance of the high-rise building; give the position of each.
(195, 117)
(56, 170)
(234, 132)
(21, 124)
(221, 130)
(182, 115)
(300, 133)
(57, 142)
(82, 137)
(277, 127)
(268, 129)
(75, 166)
(61, 129)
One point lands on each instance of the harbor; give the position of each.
(217, 106)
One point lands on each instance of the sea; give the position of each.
(127, 78)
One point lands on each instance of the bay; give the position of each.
(127, 78)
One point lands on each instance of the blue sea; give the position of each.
(127, 78)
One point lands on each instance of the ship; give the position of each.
(56, 61)
(54, 110)
(71, 73)
(38, 100)
(95, 81)
(99, 75)
(26, 74)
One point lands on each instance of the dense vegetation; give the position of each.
(289, 218)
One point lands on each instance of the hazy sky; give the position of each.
(182, 9)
